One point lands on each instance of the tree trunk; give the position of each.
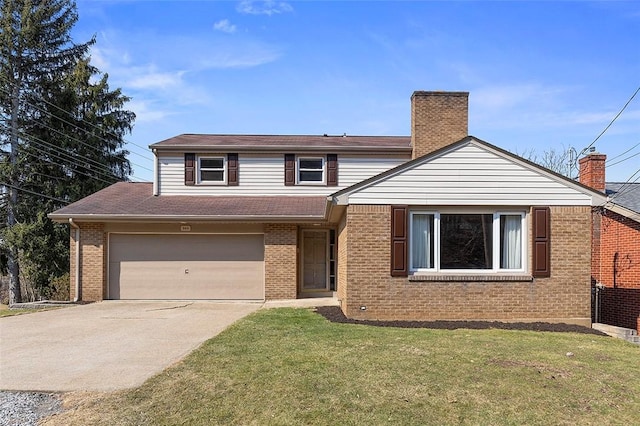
(12, 255)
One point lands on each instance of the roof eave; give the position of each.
(280, 148)
(623, 211)
(64, 218)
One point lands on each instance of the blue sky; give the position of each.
(541, 75)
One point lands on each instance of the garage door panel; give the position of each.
(186, 267)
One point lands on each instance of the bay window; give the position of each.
(443, 241)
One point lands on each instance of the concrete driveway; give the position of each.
(106, 346)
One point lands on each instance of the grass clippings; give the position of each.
(292, 366)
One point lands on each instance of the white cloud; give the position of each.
(225, 26)
(265, 7)
(146, 112)
(151, 79)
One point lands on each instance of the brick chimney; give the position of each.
(437, 120)
(592, 171)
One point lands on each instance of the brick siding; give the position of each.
(437, 120)
(616, 265)
(280, 261)
(563, 297)
(92, 262)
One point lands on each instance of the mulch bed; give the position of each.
(334, 314)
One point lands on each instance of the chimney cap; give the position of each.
(439, 93)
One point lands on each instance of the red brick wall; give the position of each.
(592, 171)
(563, 297)
(616, 265)
(92, 262)
(280, 261)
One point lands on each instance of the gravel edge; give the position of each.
(27, 408)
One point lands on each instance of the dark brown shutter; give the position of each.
(232, 169)
(399, 241)
(541, 241)
(332, 169)
(289, 169)
(189, 169)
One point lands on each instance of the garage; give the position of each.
(186, 266)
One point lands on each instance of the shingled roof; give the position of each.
(626, 195)
(286, 142)
(135, 201)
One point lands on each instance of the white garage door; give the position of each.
(186, 266)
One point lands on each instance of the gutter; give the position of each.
(185, 218)
(77, 271)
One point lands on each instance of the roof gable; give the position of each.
(470, 172)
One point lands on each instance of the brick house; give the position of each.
(435, 225)
(615, 265)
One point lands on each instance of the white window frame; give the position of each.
(311, 182)
(497, 244)
(200, 169)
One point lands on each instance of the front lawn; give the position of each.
(293, 367)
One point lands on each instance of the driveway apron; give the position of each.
(108, 345)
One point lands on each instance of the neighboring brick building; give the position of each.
(435, 225)
(615, 266)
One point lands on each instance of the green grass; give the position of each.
(5, 311)
(292, 367)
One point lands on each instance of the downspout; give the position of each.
(156, 170)
(77, 271)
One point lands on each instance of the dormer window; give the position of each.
(311, 170)
(211, 170)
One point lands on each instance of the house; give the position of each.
(615, 251)
(435, 225)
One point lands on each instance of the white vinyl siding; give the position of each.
(264, 175)
(470, 176)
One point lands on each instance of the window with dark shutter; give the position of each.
(189, 169)
(541, 242)
(289, 169)
(332, 169)
(399, 241)
(232, 169)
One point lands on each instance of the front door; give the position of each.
(315, 250)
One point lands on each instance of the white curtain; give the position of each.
(421, 242)
(512, 242)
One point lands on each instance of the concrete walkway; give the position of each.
(106, 346)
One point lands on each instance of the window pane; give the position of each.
(211, 163)
(211, 176)
(511, 241)
(422, 241)
(466, 241)
(310, 176)
(311, 163)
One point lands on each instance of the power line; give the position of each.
(74, 157)
(79, 128)
(65, 160)
(34, 193)
(620, 155)
(627, 186)
(611, 123)
(624, 159)
(91, 124)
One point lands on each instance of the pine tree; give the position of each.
(61, 134)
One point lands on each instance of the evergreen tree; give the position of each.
(61, 134)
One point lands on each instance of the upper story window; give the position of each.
(311, 170)
(211, 170)
(488, 242)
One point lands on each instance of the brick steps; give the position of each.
(627, 334)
